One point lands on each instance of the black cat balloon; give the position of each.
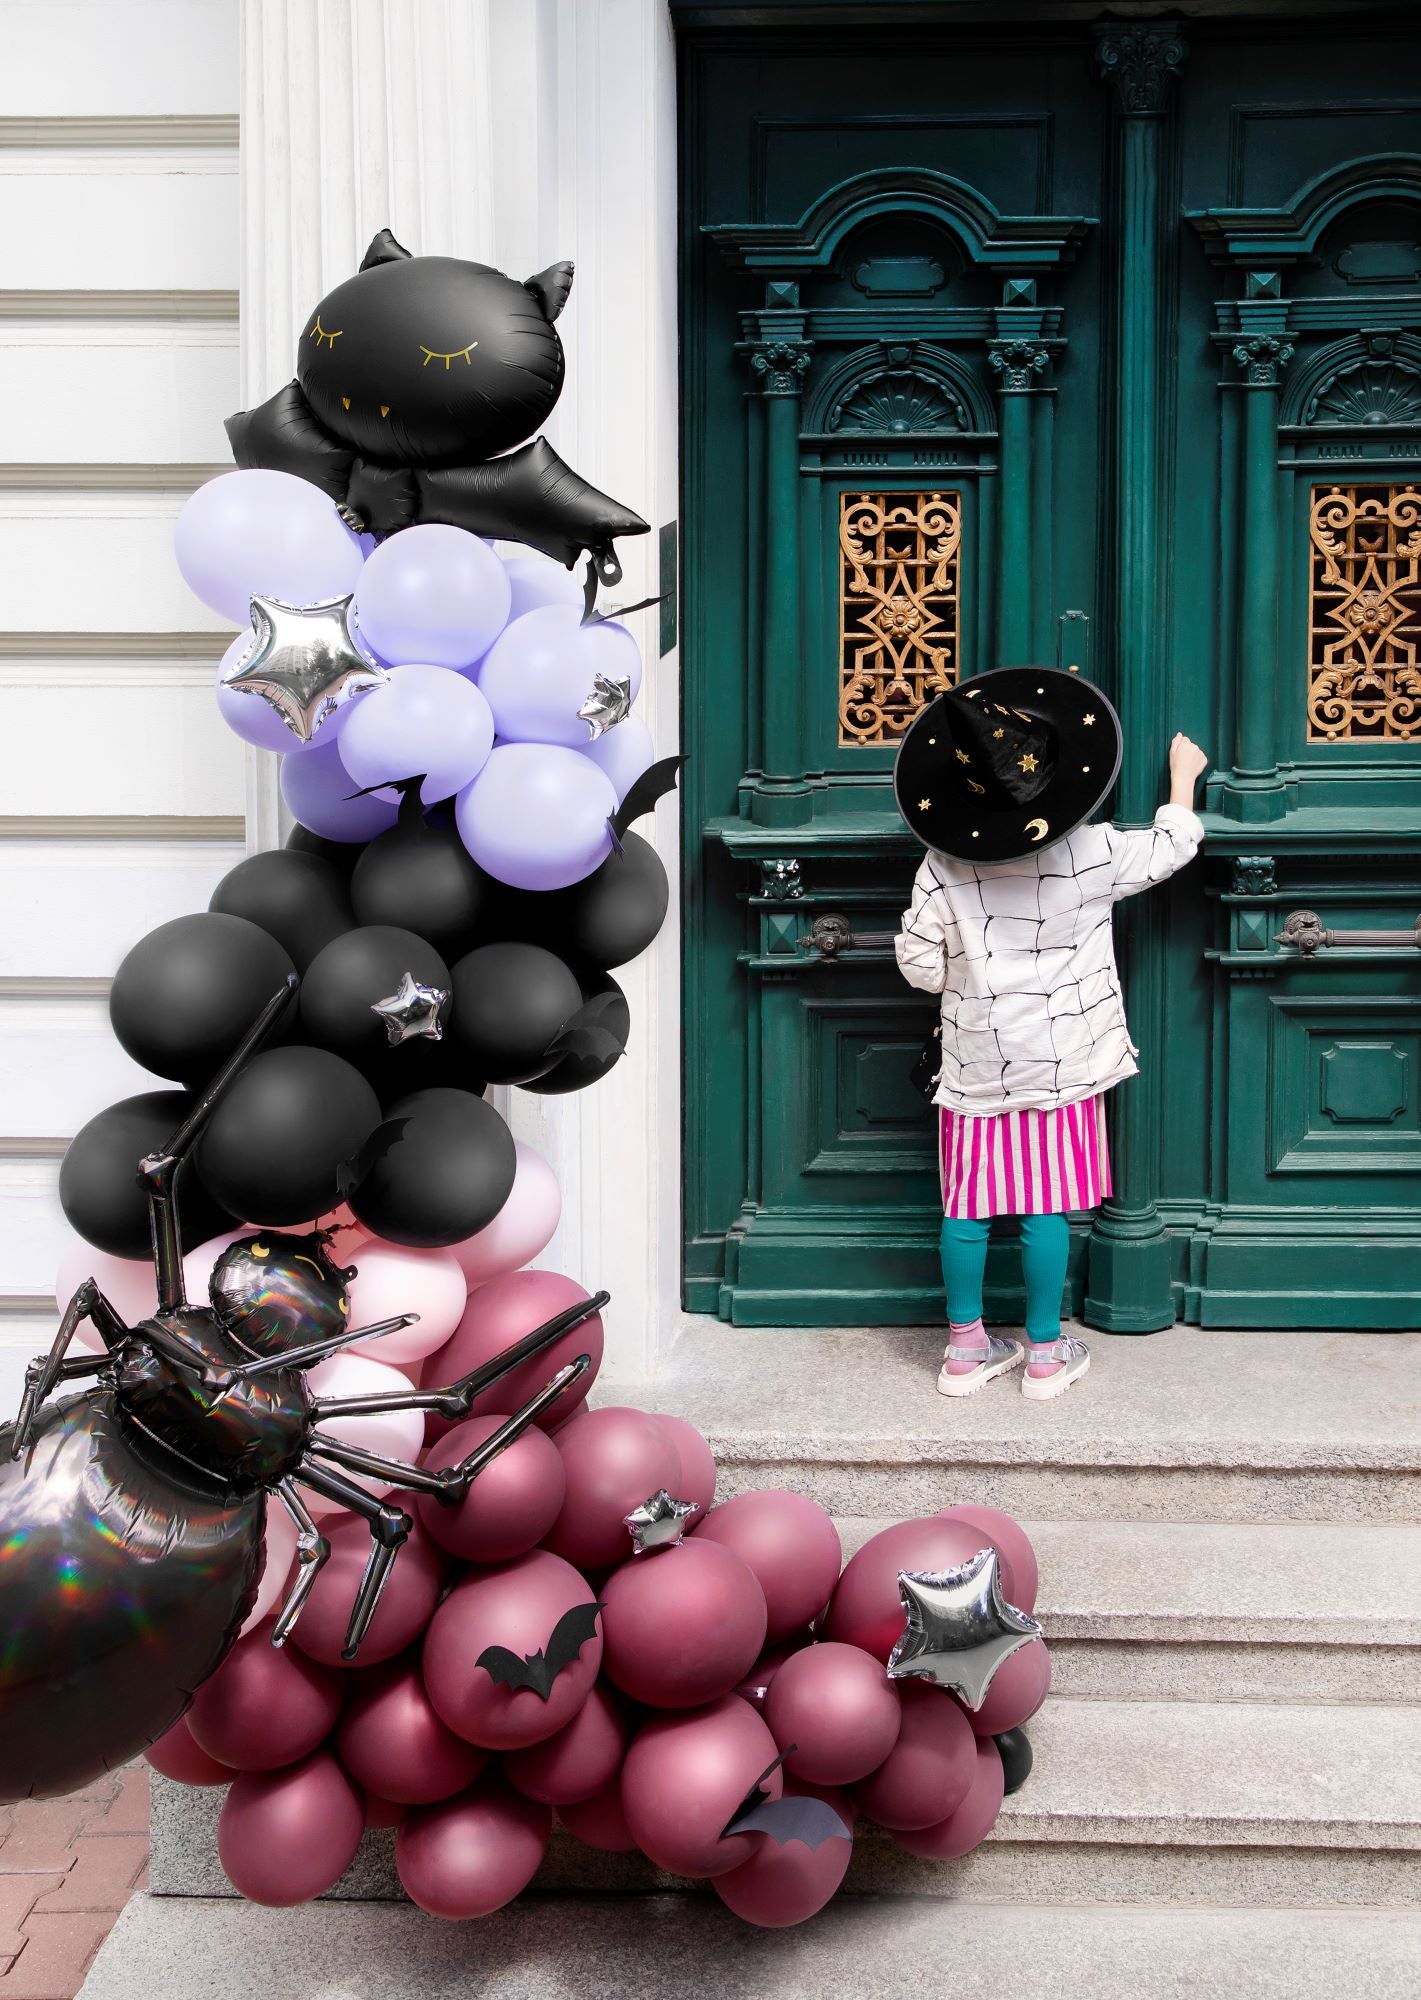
(411, 378)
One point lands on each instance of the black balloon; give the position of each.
(603, 1025)
(611, 916)
(420, 875)
(276, 1147)
(99, 1189)
(511, 1002)
(1016, 1757)
(276, 1292)
(187, 993)
(342, 854)
(439, 1168)
(299, 899)
(344, 981)
(421, 1064)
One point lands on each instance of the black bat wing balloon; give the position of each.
(653, 784)
(538, 1671)
(790, 1818)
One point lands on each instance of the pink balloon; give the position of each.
(502, 1312)
(756, 1684)
(177, 1756)
(600, 1821)
(612, 1462)
(1019, 1686)
(968, 1826)
(1010, 1541)
(792, 1546)
(392, 1742)
(523, 1227)
(264, 1707)
(927, 1773)
(517, 1605)
(278, 1554)
(126, 1282)
(866, 1609)
(585, 1755)
(389, 1280)
(685, 1775)
(697, 1481)
(779, 1886)
(392, 1433)
(682, 1626)
(409, 1597)
(471, 1855)
(286, 1836)
(510, 1505)
(834, 1710)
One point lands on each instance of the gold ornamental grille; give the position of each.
(898, 609)
(1364, 614)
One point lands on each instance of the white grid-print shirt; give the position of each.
(1022, 954)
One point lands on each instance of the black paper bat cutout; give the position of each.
(806, 1819)
(653, 784)
(582, 1034)
(539, 1670)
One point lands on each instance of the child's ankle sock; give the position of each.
(1045, 1358)
(971, 1334)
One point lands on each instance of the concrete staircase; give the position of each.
(1227, 1792)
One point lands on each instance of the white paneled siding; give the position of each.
(121, 795)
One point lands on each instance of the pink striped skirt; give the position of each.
(1023, 1162)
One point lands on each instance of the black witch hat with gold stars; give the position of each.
(1011, 760)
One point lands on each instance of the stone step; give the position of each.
(691, 1948)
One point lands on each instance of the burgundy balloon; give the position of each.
(585, 1754)
(779, 1886)
(968, 1826)
(792, 1546)
(600, 1821)
(684, 1777)
(697, 1481)
(612, 1461)
(264, 1708)
(382, 1812)
(410, 1595)
(834, 1711)
(286, 1836)
(392, 1742)
(866, 1609)
(515, 1604)
(472, 1854)
(1010, 1541)
(756, 1684)
(177, 1756)
(682, 1626)
(511, 1504)
(926, 1774)
(500, 1313)
(1019, 1686)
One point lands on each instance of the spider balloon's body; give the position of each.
(412, 377)
(131, 1514)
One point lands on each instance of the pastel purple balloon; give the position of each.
(317, 788)
(433, 595)
(535, 580)
(421, 720)
(249, 715)
(623, 752)
(264, 534)
(536, 816)
(543, 667)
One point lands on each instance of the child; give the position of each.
(1011, 923)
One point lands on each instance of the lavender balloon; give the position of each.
(536, 580)
(317, 787)
(432, 594)
(424, 720)
(623, 752)
(268, 534)
(545, 666)
(251, 718)
(536, 816)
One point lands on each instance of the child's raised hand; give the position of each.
(1187, 763)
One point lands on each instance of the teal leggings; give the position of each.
(1045, 1244)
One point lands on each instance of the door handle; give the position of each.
(1303, 931)
(831, 935)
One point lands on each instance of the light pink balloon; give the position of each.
(968, 1826)
(177, 1756)
(866, 1609)
(499, 1314)
(472, 1854)
(1019, 1686)
(1010, 1540)
(278, 1554)
(390, 1280)
(517, 1605)
(697, 1481)
(783, 1885)
(927, 1773)
(585, 1755)
(523, 1227)
(264, 1707)
(393, 1433)
(394, 1744)
(683, 1626)
(410, 1595)
(126, 1282)
(286, 1836)
(601, 1820)
(683, 1778)
(792, 1546)
(613, 1461)
(198, 1263)
(509, 1506)
(346, 1235)
(833, 1709)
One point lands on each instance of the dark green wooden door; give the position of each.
(1092, 344)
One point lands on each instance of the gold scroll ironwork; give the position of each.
(1364, 614)
(898, 609)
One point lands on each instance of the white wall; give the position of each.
(121, 795)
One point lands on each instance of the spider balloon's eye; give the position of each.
(260, 1250)
(318, 333)
(464, 354)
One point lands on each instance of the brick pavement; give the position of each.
(67, 1867)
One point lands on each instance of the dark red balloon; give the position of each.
(1010, 1540)
(970, 1823)
(176, 1755)
(286, 1836)
(926, 1774)
(469, 1855)
(683, 1626)
(409, 1597)
(393, 1742)
(866, 1609)
(265, 1706)
(685, 1775)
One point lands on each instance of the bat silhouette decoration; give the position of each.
(653, 784)
(806, 1819)
(538, 1671)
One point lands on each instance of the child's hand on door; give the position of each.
(1187, 764)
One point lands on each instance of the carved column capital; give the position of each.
(780, 365)
(1141, 64)
(1262, 358)
(1254, 875)
(780, 879)
(1017, 363)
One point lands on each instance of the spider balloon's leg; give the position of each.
(388, 1527)
(159, 1171)
(317, 1350)
(394, 1471)
(88, 1303)
(312, 1548)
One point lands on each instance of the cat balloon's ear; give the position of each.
(550, 288)
(383, 250)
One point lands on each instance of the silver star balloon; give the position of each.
(413, 1010)
(608, 704)
(659, 1523)
(302, 661)
(959, 1627)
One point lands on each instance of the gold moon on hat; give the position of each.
(1032, 823)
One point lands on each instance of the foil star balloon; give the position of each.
(959, 1627)
(608, 704)
(659, 1523)
(412, 1010)
(302, 661)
